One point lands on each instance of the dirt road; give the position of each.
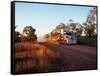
(39, 57)
(75, 57)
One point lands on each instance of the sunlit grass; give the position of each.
(34, 57)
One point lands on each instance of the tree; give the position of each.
(73, 26)
(90, 24)
(29, 30)
(78, 32)
(67, 27)
(47, 35)
(29, 33)
(61, 26)
(89, 29)
(17, 36)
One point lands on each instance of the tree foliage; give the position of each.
(89, 29)
(27, 35)
(90, 25)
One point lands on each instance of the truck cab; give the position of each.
(67, 38)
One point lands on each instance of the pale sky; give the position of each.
(45, 17)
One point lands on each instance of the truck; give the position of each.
(67, 37)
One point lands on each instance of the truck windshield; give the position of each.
(68, 34)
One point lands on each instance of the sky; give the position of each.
(45, 17)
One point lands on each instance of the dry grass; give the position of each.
(34, 57)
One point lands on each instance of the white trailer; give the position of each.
(67, 37)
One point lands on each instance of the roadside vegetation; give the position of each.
(34, 58)
(28, 34)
